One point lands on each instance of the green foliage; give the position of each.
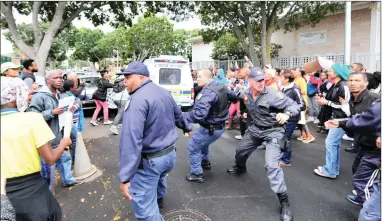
(86, 47)
(227, 46)
(60, 46)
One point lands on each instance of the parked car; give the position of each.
(90, 87)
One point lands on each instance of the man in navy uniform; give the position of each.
(268, 110)
(147, 151)
(211, 112)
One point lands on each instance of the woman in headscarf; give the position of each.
(20, 154)
(220, 78)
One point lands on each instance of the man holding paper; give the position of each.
(46, 102)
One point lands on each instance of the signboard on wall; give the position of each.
(314, 37)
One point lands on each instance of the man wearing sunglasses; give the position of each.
(268, 111)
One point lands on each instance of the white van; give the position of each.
(173, 73)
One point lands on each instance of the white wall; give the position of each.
(201, 51)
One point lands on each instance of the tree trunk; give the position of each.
(268, 44)
(264, 33)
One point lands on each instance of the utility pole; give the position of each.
(347, 32)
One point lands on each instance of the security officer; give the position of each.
(268, 110)
(211, 112)
(147, 151)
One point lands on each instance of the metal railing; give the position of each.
(370, 61)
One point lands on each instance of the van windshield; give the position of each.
(169, 76)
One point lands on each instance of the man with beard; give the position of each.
(30, 67)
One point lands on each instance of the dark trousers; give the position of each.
(357, 160)
(363, 174)
(287, 156)
(243, 125)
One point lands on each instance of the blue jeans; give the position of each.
(287, 156)
(73, 136)
(149, 184)
(64, 166)
(332, 142)
(371, 210)
(198, 148)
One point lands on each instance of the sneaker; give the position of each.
(346, 137)
(354, 192)
(310, 119)
(309, 139)
(238, 137)
(320, 173)
(353, 199)
(77, 182)
(114, 130)
(119, 126)
(93, 122)
(316, 121)
(282, 164)
(107, 122)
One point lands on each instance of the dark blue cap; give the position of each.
(137, 67)
(257, 74)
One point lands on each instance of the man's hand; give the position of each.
(379, 142)
(322, 101)
(282, 118)
(66, 141)
(188, 134)
(125, 190)
(341, 100)
(245, 115)
(332, 124)
(58, 110)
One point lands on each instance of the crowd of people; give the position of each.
(269, 103)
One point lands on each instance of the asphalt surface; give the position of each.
(223, 197)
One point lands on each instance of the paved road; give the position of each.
(223, 197)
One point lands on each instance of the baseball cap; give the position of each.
(257, 74)
(9, 65)
(136, 67)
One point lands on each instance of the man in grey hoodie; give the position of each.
(45, 101)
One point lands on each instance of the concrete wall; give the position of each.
(334, 26)
(201, 51)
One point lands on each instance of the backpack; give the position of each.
(119, 85)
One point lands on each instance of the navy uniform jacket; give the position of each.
(262, 112)
(203, 103)
(149, 121)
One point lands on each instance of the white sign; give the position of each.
(315, 37)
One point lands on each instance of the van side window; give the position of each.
(169, 76)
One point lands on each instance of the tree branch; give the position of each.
(271, 18)
(293, 8)
(35, 24)
(73, 16)
(6, 10)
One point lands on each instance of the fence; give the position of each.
(372, 62)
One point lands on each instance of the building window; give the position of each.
(169, 76)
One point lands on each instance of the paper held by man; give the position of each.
(66, 118)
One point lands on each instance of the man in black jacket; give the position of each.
(339, 73)
(368, 154)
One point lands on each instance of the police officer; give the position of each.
(268, 110)
(211, 112)
(147, 151)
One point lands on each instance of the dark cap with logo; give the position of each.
(257, 74)
(136, 67)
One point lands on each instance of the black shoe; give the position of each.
(350, 150)
(286, 211)
(237, 169)
(160, 203)
(195, 178)
(206, 165)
